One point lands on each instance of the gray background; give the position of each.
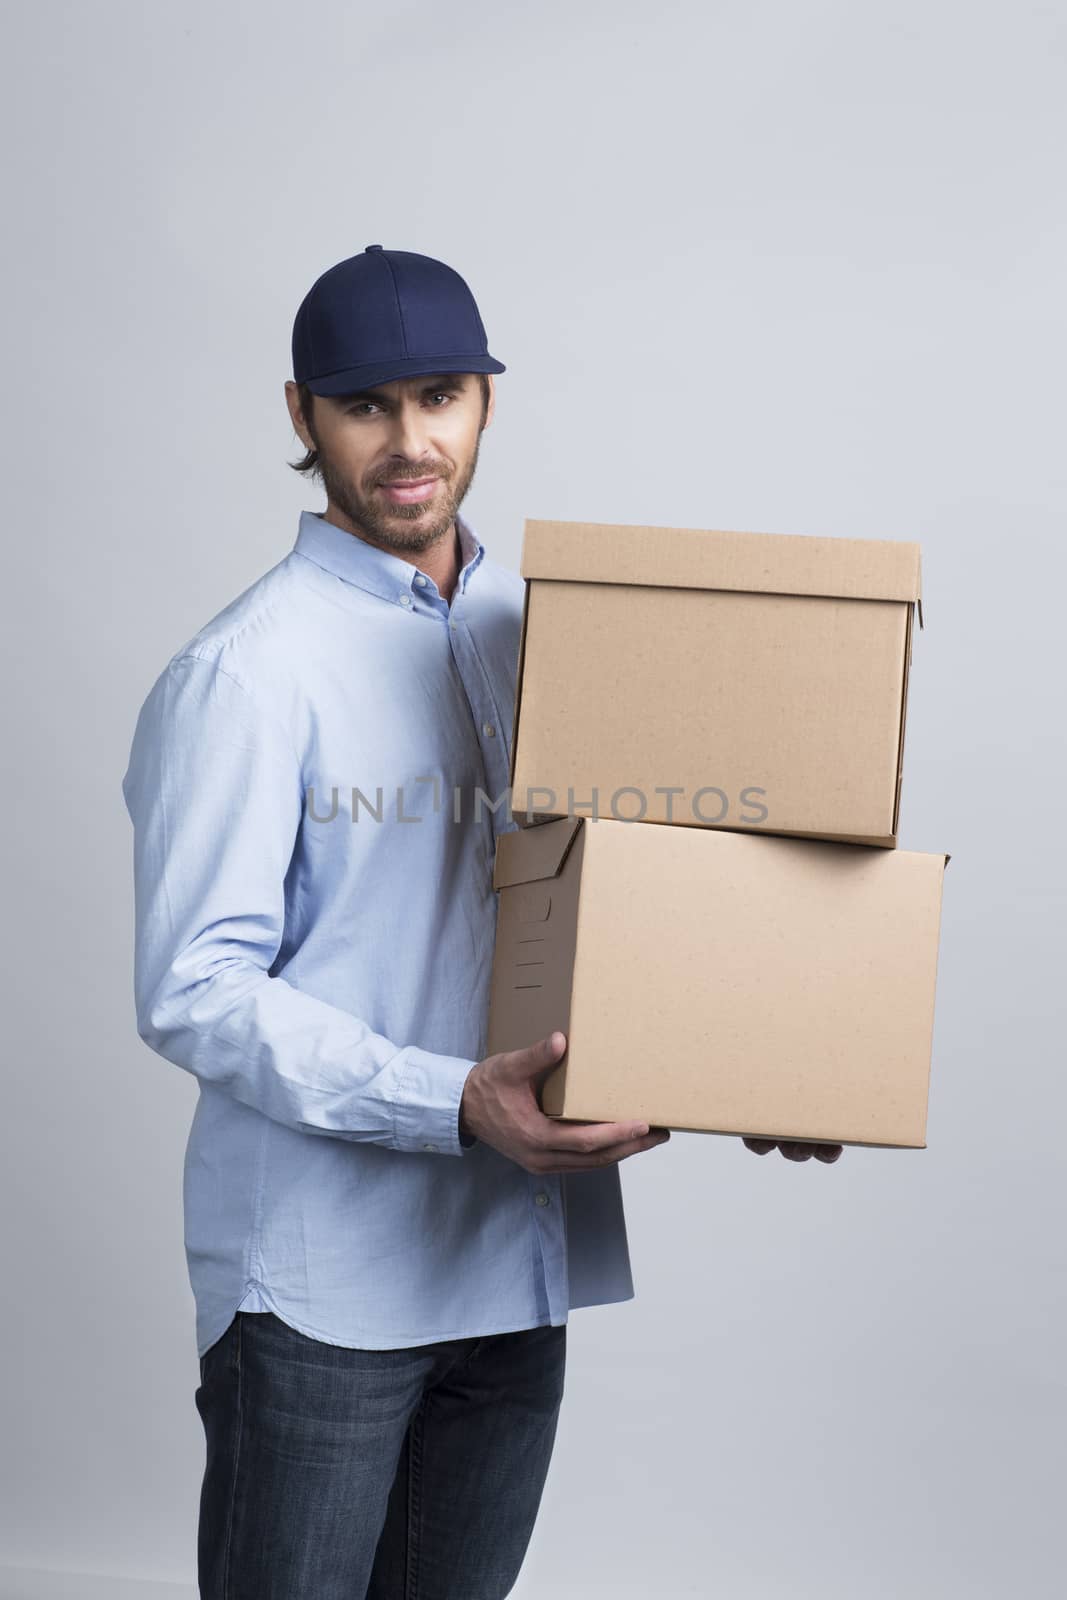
(783, 267)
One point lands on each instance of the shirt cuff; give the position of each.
(426, 1108)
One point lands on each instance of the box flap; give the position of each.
(526, 855)
(769, 563)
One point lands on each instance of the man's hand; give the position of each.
(500, 1106)
(795, 1149)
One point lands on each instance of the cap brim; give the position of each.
(368, 377)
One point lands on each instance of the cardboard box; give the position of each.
(721, 982)
(762, 675)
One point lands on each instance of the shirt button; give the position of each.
(429, 1147)
(542, 1198)
(452, 622)
(488, 729)
(419, 579)
(405, 599)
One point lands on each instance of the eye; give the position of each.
(361, 407)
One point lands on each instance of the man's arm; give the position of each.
(214, 791)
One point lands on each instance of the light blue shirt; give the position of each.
(326, 980)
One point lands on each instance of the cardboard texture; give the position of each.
(719, 982)
(763, 676)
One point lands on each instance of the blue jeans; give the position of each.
(342, 1474)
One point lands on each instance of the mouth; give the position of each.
(409, 492)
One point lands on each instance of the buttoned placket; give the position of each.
(550, 1227)
(428, 599)
(545, 1189)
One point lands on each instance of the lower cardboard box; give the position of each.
(721, 982)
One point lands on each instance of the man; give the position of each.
(384, 1232)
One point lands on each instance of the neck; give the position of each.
(441, 561)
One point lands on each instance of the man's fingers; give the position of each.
(593, 1138)
(801, 1150)
(604, 1155)
(794, 1149)
(576, 1144)
(539, 1057)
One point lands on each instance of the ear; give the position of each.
(491, 407)
(296, 415)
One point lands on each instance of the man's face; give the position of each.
(394, 435)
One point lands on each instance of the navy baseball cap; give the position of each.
(386, 314)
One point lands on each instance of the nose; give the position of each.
(409, 433)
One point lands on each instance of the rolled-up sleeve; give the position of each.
(213, 788)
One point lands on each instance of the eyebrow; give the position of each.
(444, 380)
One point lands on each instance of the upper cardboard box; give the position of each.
(760, 677)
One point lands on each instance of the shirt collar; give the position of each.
(380, 571)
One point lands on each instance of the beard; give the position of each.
(409, 529)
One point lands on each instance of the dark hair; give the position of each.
(310, 463)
